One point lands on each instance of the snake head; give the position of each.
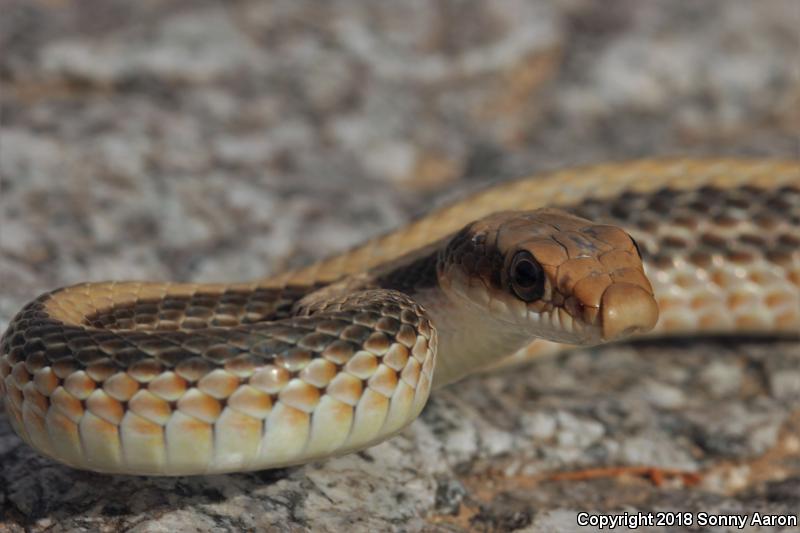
(551, 275)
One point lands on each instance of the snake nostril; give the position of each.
(590, 314)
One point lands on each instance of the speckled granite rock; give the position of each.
(201, 140)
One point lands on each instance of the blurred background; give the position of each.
(214, 140)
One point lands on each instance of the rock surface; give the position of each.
(207, 140)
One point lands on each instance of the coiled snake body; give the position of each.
(181, 378)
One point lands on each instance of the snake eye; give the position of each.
(526, 276)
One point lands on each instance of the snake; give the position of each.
(162, 378)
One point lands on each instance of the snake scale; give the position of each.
(189, 378)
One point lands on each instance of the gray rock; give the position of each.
(208, 141)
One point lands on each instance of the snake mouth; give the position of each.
(624, 309)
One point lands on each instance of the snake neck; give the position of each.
(469, 339)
